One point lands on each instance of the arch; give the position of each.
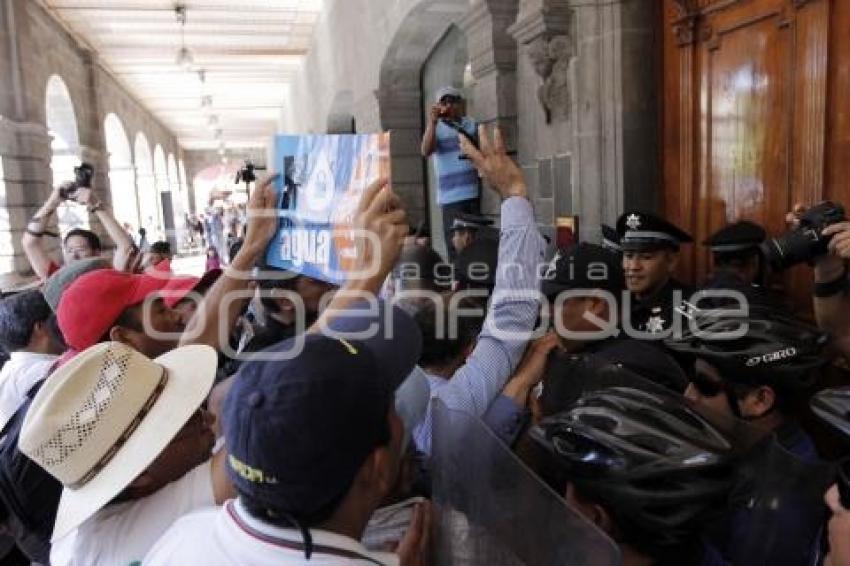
(65, 148)
(149, 217)
(122, 175)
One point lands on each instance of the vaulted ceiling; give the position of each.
(246, 51)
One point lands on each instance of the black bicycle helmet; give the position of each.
(775, 349)
(833, 407)
(652, 460)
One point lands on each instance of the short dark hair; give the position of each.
(18, 317)
(129, 318)
(93, 239)
(438, 347)
(161, 247)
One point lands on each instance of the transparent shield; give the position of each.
(778, 499)
(492, 510)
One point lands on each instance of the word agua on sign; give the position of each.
(300, 245)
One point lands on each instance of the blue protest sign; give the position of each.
(322, 179)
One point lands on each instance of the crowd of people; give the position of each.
(259, 416)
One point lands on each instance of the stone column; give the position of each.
(25, 183)
(594, 151)
(542, 32)
(401, 114)
(493, 55)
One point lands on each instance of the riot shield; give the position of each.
(777, 509)
(491, 510)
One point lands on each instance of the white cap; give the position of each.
(448, 91)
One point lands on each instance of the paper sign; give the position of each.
(322, 179)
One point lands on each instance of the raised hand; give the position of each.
(494, 164)
(262, 216)
(379, 213)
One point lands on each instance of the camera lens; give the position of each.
(792, 248)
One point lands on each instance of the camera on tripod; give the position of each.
(247, 173)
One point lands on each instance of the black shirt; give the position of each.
(655, 313)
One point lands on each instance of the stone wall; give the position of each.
(33, 48)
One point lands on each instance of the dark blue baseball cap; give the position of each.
(298, 430)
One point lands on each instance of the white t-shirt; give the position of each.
(121, 534)
(229, 536)
(19, 374)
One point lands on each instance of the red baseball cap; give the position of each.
(178, 288)
(92, 304)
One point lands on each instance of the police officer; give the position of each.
(738, 265)
(650, 256)
(466, 227)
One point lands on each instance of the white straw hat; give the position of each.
(101, 419)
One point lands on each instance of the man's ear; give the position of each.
(377, 471)
(119, 334)
(763, 400)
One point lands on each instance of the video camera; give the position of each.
(805, 242)
(246, 174)
(82, 180)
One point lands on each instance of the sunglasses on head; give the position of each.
(707, 386)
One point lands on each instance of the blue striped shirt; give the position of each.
(513, 312)
(457, 178)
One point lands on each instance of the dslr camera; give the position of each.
(82, 180)
(807, 241)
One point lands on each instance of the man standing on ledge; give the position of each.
(458, 186)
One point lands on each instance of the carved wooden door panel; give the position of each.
(744, 117)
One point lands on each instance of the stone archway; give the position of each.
(400, 94)
(122, 174)
(65, 148)
(492, 57)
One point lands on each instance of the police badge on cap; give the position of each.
(644, 232)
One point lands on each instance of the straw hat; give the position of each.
(101, 419)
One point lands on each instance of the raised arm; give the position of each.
(429, 139)
(514, 305)
(831, 300)
(217, 313)
(124, 246)
(33, 239)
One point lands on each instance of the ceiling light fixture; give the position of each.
(184, 56)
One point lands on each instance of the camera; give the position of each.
(82, 180)
(805, 242)
(246, 174)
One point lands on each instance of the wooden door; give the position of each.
(747, 99)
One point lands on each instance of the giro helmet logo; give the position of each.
(777, 356)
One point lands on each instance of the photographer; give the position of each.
(78, 243)
(458, 185)
(830, 254)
